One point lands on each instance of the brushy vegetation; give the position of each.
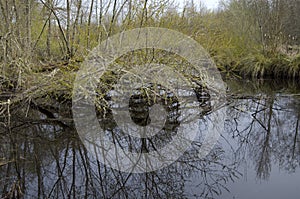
(43, 42)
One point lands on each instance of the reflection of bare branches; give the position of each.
(49, 161)
(266, 128)
(296, 135)
(264, 162)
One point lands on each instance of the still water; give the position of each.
(257, 154)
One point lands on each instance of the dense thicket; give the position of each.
(258, 38)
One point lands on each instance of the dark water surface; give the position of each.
(257, 155)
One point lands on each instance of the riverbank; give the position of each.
(275, 66)
(21, 81)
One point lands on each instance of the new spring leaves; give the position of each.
(103, 145)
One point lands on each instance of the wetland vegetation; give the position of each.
(255, 45)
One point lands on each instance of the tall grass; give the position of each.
(260, 65)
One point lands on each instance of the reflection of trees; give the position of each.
(288, 152)
(46, 159)
(43, 158)
(266, 128)
(263, 159)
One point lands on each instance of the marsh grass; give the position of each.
(266, 66)
(294, 67)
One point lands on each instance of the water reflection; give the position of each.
(266, 128)
(42, 157)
